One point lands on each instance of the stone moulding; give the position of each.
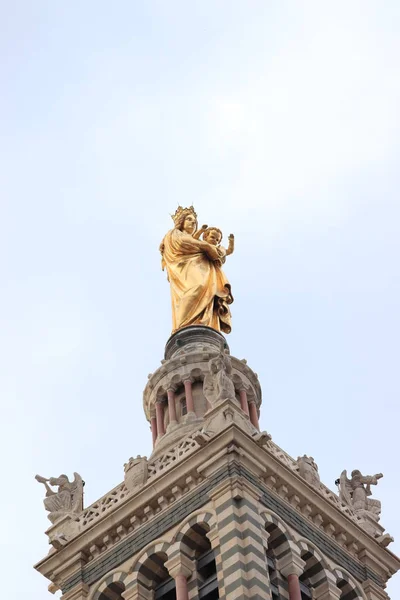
(235, 471)
(192, 472)
(62, 533)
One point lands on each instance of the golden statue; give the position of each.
(200, 292)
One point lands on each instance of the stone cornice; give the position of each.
(230, 446)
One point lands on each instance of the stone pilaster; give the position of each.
(241, 557)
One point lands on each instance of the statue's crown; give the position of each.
(183, 211)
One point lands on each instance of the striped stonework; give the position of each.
(193, 586)
(147, 571)
(111, 587)
(192, 541)
(317, 573)
(241, 560)
(349, 588)
(278, 546)
(204, 518)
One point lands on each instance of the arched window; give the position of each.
(277, 541)
(207, 576)
(183, 406)
(153, 576)
(273, 574)
(305, 589)
(312, 567)
(348, 590)
(165, 590)
(197, 546)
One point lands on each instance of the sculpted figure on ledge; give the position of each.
(355, 492)
(200, 292)
(308, 469)
(67, 500)
(218, 385)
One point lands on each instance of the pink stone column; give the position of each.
(253, 414)
(243, 401)
(292, 566)
(153, 423)
(180, 567)
(189, 396)
(171, 406)
(181, 585)
(160, 417)
(294, 587)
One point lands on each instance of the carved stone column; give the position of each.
(180, 568)
(292, 566)
(171, 407)
(253, 414)
(153, 425)
(189, 397)
(160, 417)
(243, 401)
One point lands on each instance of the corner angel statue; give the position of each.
(67, 501)
(355, 491)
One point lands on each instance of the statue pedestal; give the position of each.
(223, 413)
(195, 337)
(369, 524)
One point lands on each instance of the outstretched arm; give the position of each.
(371, 479)
(188, 244)
(199, 232)
(231, 245)
(40, 479)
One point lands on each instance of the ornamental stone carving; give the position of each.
(136, 473)
(218, 384)
(355, 492)
(67, 501)
(308, 469)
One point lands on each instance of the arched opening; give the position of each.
(311, 569)
(198, 547)
(276, 540)
(348, 591)
(154, 577)
(113, 591)
(183, 406)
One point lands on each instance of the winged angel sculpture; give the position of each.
(355, 492)
(67, 500)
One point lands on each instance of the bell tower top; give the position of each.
(196, 374)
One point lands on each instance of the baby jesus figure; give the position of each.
(213, 236)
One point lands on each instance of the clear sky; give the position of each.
(280, 122)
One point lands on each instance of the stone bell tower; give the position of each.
(218, 510)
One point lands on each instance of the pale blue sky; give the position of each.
(280, 122)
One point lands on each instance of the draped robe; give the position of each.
(200, 292)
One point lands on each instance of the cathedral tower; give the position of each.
(218, 510)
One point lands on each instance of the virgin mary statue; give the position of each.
(200, 292)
